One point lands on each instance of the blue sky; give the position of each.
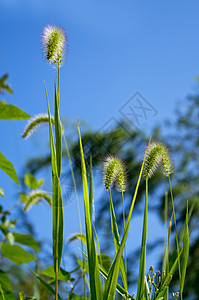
(115, 48)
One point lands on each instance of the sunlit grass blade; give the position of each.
(165, 265)
(185, 254)
(58, 135)
(168, 278)
(141, 278)
(57, 207)
(94, 274)
(116, 238)
(44, 283)
(91, 189)
(146, 290)
(111, 283)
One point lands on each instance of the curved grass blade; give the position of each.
(94, 274)
(111, 283)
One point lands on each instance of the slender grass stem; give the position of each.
(125, 261)
(177, 245)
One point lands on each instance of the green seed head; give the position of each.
(54, 42)
(34, 123)
(114, 172)
(157, 155)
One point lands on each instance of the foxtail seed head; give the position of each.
(54, 42)
(157, 155)
(34, 123)
(35, 196)
(114, 172)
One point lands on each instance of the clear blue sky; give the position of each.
(115, 49)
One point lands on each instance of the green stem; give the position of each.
(124, 227)
(177, 245)
(58, 82)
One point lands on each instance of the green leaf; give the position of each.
(16, 254)
(94, 274)
(185, 255)
(79, 236)
(2, 192)
(62, 274)
(44, 283)
(8, 168)
(141, 278)
(32, 182)
(105, 262)
(27, 240)
(11, 112)
(6, 286)
(111, 283)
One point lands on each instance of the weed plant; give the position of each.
(100, 272)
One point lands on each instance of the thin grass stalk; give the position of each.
(177, 245)
(123, 208)
(141, 278)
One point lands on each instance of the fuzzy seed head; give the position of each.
(54, 42)
(114, 172)
(157, 155)
(34, 123)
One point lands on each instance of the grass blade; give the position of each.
(111, 283)
(185, 251)
(94, 274)
(141, 278)
(58, 135)
(116, 238)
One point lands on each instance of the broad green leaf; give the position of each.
(44, 283)
(185, 254)
(62, 275)
(27, 240)
(5, 282)
(11, 112)
(79, 236)
(6, 286)
(8, 168)
(32, 182)
(94, 274)
(2, 192)
(16, 254)
(111, 283)
(141, 278)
